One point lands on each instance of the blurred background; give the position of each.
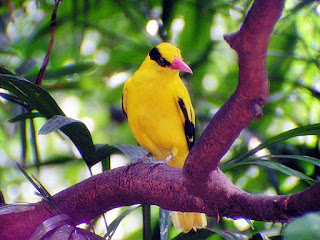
(99, 44)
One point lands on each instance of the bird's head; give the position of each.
(168, 56)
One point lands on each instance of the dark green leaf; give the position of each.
(25, 116)
(5, 71)
(259, 236)
(13, 99)
(146, 221)
(103, 151)
(66, 70)
(41, 191)
(35, 96)
(203, 234)
(55, 123)
(77, 131)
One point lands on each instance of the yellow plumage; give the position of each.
(161, 116)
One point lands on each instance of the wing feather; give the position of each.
(189, 123)
(124, 102)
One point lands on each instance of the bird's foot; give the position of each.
(161, 162)
(139, 160)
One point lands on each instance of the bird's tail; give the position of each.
(188, 220)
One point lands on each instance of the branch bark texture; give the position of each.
(163, 186)
(200, 186)
(245, 105)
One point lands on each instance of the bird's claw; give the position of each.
(160, 162)
(138, 161)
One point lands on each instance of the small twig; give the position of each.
(42, 71)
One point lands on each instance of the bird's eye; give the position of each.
(161, 62)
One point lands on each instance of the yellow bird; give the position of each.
(161, 116)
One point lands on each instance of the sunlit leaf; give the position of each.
(114, 225)
(300, 131)
(15, 208)
(312, 160)
(132, 151)
(55, 123)
(306, 227)
(272, 165)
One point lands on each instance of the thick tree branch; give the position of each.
(251, 44)
(126, 186)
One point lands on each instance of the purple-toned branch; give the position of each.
(245, 105)
(163, 186)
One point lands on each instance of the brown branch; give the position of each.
(42, 71)
(245, 105)
(163, 186)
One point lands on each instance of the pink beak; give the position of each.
(180, 65)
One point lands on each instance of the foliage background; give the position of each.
(99, 44)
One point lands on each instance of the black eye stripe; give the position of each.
(156, 56)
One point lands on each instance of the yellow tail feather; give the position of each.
(187, 221)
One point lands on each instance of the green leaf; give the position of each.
(300, 131)
(259, 236)
(77, 131)
(40, 99)
(35, 96)
(272, 165)
(56, 123)
(25, 116)
(102, 151)
(165, 223)
(307, 159)
(306, 227)
(41, 190)
(206, 233)
(81, 138)
(13, 99)
(5, 71)
(132, 151)
(146, 220)
(114, 225)
(66, 70)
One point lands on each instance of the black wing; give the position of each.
(124, 112)
(189, 127)
(124, 102)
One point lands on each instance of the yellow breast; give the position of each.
(154, 116)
